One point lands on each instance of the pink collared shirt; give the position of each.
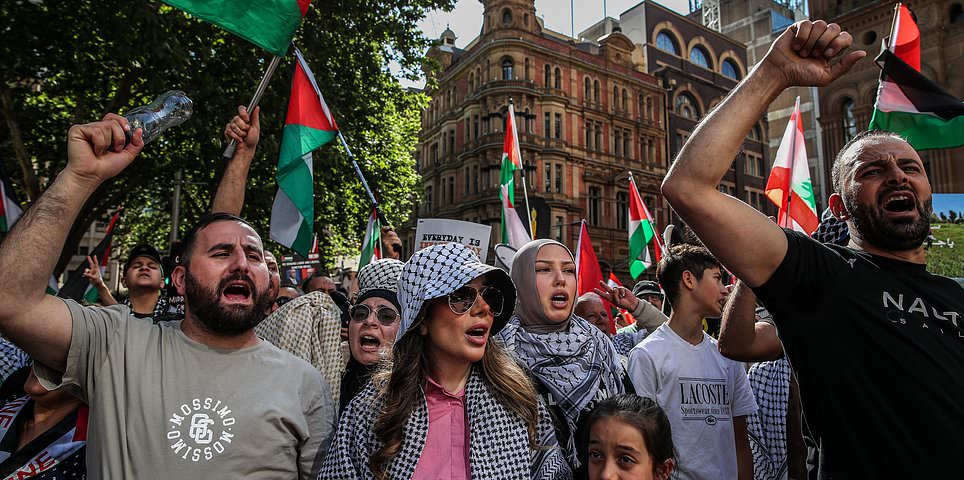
(446, 452)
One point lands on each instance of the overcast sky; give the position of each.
(466, 19)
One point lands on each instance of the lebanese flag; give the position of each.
(269, 24)
(642, 232)
(372, 244)
(513, 230)
(789, 186)
(10, 209)
(309, 125)
(908, 103)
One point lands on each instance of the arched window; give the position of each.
(615, 97)
(622, 210)
(471, 80)
(686, 106)
(587, 94)
(729, 69)
(625, 101)
(666, 43)
(595, 91)
(507, 69)
(546, 76)
(478, 77)
(848, 118)
(526, 72)
(506, 16)
(557, 79)
(594, 197)
(698, 56)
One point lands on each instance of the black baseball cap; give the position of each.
(142, 250)
(647, 287)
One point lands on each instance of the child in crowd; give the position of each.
(630, 438)
(706, 396)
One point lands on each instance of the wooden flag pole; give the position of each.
(229, 151)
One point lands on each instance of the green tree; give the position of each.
(73, 63)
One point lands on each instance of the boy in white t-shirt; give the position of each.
(706, 396)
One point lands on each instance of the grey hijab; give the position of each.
(528, 305)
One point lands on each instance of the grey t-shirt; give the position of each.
(165, 406)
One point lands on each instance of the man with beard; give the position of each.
(875, 340)
(199, 398)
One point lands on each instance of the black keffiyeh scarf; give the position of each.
(577, 366)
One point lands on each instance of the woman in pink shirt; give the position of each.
(451, 404)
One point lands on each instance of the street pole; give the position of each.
(176, 206)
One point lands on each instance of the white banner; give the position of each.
(433, 231)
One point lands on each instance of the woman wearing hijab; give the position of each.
(373, 324)
(450, 404)
(573, 363)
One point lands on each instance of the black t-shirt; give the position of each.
(878, 349)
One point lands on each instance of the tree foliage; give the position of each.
(67, 63)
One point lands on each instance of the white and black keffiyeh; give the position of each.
(379, 275)
(767, 428)
(12, 358)
(439, 270)
(577, 366)
(498, 440)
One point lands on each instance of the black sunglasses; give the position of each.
(385, 315)
(462, 300)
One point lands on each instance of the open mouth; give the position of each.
(559, 300)
(478, 334)
(899, 203)
(369, 343)
(237, 291)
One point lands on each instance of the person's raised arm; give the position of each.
(246, 130)
(741, 336)
(36, 322)
(806, 54)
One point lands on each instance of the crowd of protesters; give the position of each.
(832, 361)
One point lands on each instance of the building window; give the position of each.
(557, 134)
(625, 101)
(507, 69)
(428, 198)
(588, 135)
(547, 127)
(627, 146)
(666, 43)
(528, 77)
(849, 120)
(730, 69)
(475, 127)
(548, 177)
(699, 57)
(546, 78)
(451, 190)
(506, 17)
(615, 97)
(598, 137)
(593, 207)
(618, 143)
(466, 177)
(558, 179)
(622, 210)
(587, 93)
(527, 120)
(686, 106)
(957, 13)
(595, 91)
(559, 226)
(475, 178)
(649, 108)
(452, 142)
(557, 79)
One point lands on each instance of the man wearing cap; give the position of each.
(144, 278)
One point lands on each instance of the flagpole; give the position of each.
(525, 192)
(229, 151)
(893, 25)
(354, 164)
(793, 157)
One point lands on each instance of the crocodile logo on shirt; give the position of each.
(200, 429)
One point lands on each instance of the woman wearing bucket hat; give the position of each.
(451, 404)
(573, 363)
(373, 324)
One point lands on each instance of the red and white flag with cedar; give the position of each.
(789, 186)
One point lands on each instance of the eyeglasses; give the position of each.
(462, 300)
(385, 315)
(282, 300)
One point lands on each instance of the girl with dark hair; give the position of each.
(450, 403)
(629, 438)
(573, 363)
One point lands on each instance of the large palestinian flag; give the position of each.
(269, 24)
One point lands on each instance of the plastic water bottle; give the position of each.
(168, 110)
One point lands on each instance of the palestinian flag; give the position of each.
(309, 125)
(269, 24)
(10, 209)
(77, 287)
(789, 186)
(372, 244)
(908, 103)
(511, 161)
(642, 232)
(512, 228)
